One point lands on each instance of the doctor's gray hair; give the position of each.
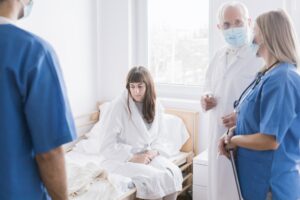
(138, 75)
(232, 4)
(279, 36)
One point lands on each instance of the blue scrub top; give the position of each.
(34, 113)
(272, 108)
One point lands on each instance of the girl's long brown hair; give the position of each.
(138, 75)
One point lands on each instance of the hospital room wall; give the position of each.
(95, 43)
(114, 30)
(70, 27)
(118, 38)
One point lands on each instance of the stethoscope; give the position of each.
(253, 84)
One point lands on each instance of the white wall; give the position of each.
(71, 27)
(97, 43)
(119, 47)
(293, 6)
(114, 47)
(72, 30)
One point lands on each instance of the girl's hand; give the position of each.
(145, 157)
(142, 158)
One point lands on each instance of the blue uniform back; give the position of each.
(34, 113)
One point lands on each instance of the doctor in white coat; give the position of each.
(232, 68)
(131, 144)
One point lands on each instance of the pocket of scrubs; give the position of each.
(252, 175)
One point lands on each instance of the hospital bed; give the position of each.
(85, 122)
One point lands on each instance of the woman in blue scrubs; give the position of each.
(267, 132)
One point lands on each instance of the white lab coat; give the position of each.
(229, 73)
(126, 134)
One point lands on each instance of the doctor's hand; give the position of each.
(142, 158)
(229, 121)
(208, 102)
(225, 143)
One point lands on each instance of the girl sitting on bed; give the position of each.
(131, 141)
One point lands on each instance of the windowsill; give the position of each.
(185, 92)
(185, 104)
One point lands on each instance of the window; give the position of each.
(178, 41)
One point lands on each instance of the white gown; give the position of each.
(126, 134)
(229, 73)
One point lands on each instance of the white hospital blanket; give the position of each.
(87, 180)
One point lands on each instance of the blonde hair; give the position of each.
(279, 36)
(232, 4)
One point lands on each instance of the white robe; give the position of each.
(126, 134)
(229, 73)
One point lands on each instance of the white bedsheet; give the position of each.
(87, 180)
(83, 184)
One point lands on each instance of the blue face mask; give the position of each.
(27, 8)
(253, 45)
(236, 37)
(254, 48)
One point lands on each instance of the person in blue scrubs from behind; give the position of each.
(35, 118)
(267, 135)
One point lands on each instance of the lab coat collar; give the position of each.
(240, 52)
(4, 20)
(244, 51)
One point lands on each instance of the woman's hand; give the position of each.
(152, 154)
(144, 158)
(229, 121)
(225, 143)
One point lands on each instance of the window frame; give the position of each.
(140, 53)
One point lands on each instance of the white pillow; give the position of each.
(91, 145)
(103, 108)
(175, 133)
